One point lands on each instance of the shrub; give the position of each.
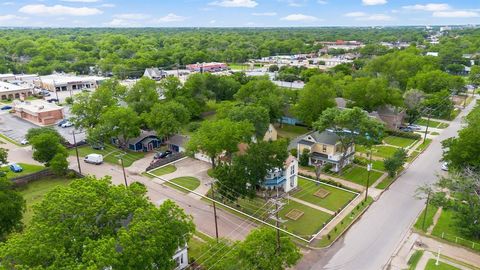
(193, 126)
(294, 152)
(305, 157)
(360, 161)
(408, 135)
(69, 100)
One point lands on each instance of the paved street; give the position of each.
(370, 243)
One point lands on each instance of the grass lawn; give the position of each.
(308, 224)
(187, 181)
(164, 170)
(110, 154)
(377, 164)
(335, 201)
(27, 169)
(359, 175)
(382, 151)
(429, 219)
(35, 191)
(289, 131)
(432, 123)
(343, 225)
(414, 259)
(385, 183)
(399, 141)
(412, 156)
(423, 146)
(441, 266)
(446, 225)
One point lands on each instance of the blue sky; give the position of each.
(237, 13)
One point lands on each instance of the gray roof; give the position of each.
(305, 142)
(143, 134)
(155, 72)
(325, 137)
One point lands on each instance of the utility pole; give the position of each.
(120, 160)
(426, 209)
(76, 152)
(274, 216)
(426, 130)
(369, 168)
(214, 209)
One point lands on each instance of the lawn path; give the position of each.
(380, 179)
(311, 205)
(346, 183)
(435, 220)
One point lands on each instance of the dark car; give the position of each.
(161, 155)
(6, 107)
(406, 129)
(61, 122)
(14, 167)
(52, 100)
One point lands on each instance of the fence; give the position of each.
(160, 162)
(460, 241)
(25, 179)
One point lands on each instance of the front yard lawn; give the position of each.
(164, 170)
(289, 131)
(382, 151)
(432, 123)
(27, 169)
(441, 266)
(447, 228)
(187, 182)
(335, 201)
(359, 175)
(308, 224)
(110, 154)
(428, 220)
(385, 183)
(399, 141)
(35, 191)
(423, 146)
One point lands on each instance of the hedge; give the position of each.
(408, 135)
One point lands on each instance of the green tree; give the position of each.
(352, 126)
(462, 151)
(395, 162)
(167, 118)
(413, 102)
(3, 155)
(214, 137)
(43, 130)
(474, 75)
(258, 251)
(436, 81)
(142, 96)
(59, 163)
(317, 95)
(96, 225)
(11, 208)
(171, 86)
(122, 123)
(305, 157)
(254, 114)
(439, 104)
(369, 94)
(46, 147)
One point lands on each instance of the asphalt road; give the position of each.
(370, 243)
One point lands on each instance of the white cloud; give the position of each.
(356, 14)
(81, 1)
(269, 14)
(456, 14)
(322, 2)
(132, 16)
(374, 2)
(8, 3)
(235, 3)
(58, 10)
(122, 23)
(108, 5)
(300, 18)
(10, 17)
(171, 18)
(429, 7)
(213, 21)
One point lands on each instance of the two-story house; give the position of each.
(325, 148)
(285, 178)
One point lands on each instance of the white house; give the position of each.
(285, 178)
(181, 258)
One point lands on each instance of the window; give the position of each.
(292, 169)
(324, 149)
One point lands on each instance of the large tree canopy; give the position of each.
(369, 94)
(11, 208)
(142, 96)
(91, 224)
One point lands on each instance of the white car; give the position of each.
(67, 124)
(24, 142)
(96, 159)
(444, 166)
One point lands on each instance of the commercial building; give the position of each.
(66, 82)
(38, 112)
(9, 91)
(207, 67)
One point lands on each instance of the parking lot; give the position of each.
(16, 128)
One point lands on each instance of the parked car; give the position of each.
(98, 146)
(414, 127)
(52, 100)
(67, 124)
(406, 129)
(61, 122)
(96, 159)
(444, 166)
(14, 167)
(44, 93)
(160, 155)
(24, 142)
(6, 107)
